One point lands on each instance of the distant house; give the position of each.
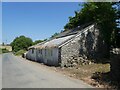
(83, 41)
(8, 47)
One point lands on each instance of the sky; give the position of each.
(37, 20)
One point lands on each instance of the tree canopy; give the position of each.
(37, 41)
(102, 13)
(21, 43)
(54, 35)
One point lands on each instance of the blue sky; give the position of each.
(35, 20)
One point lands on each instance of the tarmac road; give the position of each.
(21, 73)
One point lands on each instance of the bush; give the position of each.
(3, 51)
(0, 50)
(20, 52)
(21, 43)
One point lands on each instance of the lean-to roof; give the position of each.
(55, 42)
(62, 37)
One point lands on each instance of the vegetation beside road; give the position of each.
(20, 44)
(20, 52)
(3, 51)
(0, 51)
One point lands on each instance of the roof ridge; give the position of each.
(78, 34)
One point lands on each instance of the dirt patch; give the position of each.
(97, 75)
(86, 73)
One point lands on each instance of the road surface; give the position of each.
(21, 73)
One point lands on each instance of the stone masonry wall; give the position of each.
(69, 52)
(83, 46)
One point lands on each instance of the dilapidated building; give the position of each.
(83, 41)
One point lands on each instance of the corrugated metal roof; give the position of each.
(55, 42)
(62, 37)
(74, 30)
(34, 46)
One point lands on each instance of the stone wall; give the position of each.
(69, 52)
(83, 46)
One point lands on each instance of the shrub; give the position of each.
(4, 50)
(20, 52)
(21, 43)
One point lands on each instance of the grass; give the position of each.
(20, 52)
(3, 51)
(0, 51)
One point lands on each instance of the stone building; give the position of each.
(66, 48)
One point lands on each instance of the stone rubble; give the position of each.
(74, 61)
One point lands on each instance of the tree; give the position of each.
(21, 42)
(116, 38)
(45, 39)
(101, 13)
(3, 44)
(54, 35)
(37, 41)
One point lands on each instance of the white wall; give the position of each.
(48, 56)
(31, 55)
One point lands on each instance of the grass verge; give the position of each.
(3, 50)
(19, 53)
